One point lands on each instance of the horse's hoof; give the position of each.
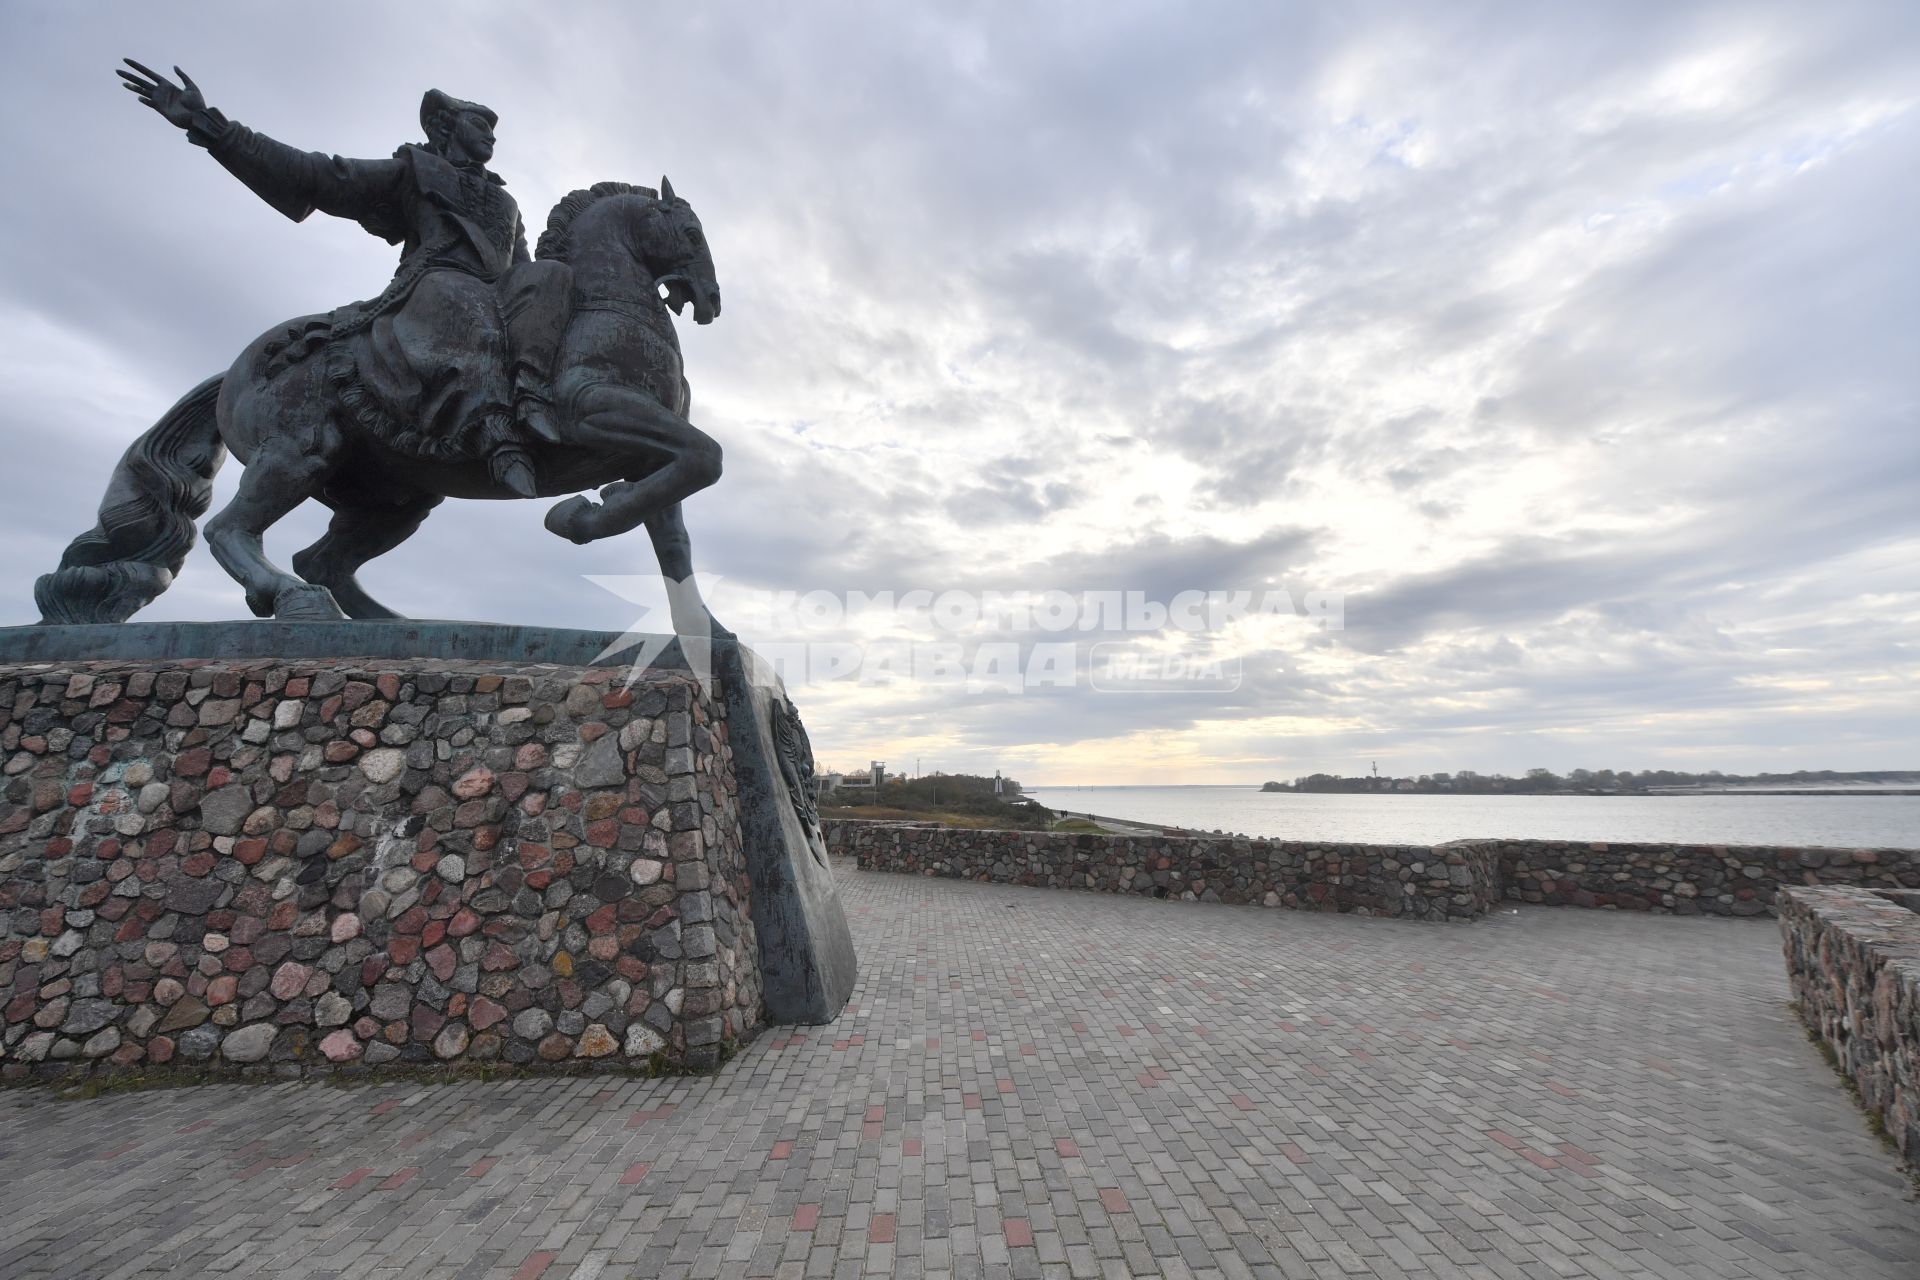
(572, 519)
(307, 603)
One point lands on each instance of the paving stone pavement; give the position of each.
(1043, 1083)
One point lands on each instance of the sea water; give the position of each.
(1851, 821)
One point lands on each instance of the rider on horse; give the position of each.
(453, 358)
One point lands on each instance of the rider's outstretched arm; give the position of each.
(298, 182)
(293, 181)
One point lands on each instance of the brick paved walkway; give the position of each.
(1042, 1083)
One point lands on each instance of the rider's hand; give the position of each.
(177, 103)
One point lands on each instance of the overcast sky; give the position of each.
(1575, 345)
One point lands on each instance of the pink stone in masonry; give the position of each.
(475, 783)
(340, 1047)
(596, 1042)
(289, 980)
(443, 962)
(484, 1013)
(344, 928)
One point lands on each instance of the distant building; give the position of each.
(871, 780)
(875, 775)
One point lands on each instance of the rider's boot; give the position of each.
(533, 403)
(538, 297)
(512, 469)
(508, 463)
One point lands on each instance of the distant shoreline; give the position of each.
(1676, 794)
(1664, 793)
(1768, 791)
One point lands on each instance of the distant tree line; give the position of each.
(960, 793)
(1581, 781)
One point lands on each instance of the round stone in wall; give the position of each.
(384, 764)
(249, 1044)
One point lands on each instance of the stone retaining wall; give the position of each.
(1689, 879)
(1387, 880)
(272, 866)
(1854, 959)
(1459, 879)
(845, 837)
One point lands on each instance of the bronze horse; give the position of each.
(620, 400)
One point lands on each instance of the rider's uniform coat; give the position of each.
(433, 352)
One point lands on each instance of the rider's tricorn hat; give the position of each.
(437, 112)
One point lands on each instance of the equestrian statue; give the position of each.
(481, 371)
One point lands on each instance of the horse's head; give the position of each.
(675, 251)
(615, 222)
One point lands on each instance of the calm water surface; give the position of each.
(1849, 821)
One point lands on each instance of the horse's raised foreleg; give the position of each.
(671, 544)
(355, 536)
(674, 549)
(678, 458)
(279, 478)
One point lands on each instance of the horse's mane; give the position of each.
(554, 241)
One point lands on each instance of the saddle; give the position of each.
(395, 411)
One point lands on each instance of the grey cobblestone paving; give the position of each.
(1036, 1083)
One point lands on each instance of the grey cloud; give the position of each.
(1160, 284)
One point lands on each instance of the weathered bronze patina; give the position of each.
(481, 371)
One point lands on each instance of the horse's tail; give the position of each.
(146, 525)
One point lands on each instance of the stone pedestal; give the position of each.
(294, 861)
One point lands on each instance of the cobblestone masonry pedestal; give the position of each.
(268, 867)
